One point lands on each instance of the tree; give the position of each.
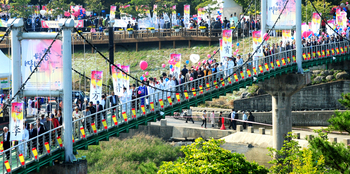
(308, 10)
(325, 157)
(59, 6)
(94, 5)
(110, 84)
(138, 8)
(21, 9)
(208, 157)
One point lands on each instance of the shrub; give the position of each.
(139, 154)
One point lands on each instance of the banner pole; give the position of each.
(16, 55)
(67, 26)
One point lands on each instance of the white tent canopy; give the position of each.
(228, 7)
(5, 71)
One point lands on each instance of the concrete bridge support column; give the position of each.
(281, 89)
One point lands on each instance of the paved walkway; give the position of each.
(303, 133)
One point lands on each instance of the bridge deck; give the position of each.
(138, 36)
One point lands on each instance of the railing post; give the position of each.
(67, 87)
(16, 55)
(298, 37)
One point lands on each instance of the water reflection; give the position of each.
(257, 154)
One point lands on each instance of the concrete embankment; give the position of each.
(299, 118)
(164, 131)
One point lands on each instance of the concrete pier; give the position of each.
(281, 89)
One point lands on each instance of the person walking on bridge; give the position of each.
(204, 119)
(212, 119)
(233, 122)
(189, 116)
(245, 118)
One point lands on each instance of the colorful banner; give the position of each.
(341, 19)
(186, 15)
(175, 71)
(16, 121)
(201, 14)
(112, 12)
(287, 19)
(54, 24)
(226, 44)
(304, 27)
(257, 39)
(316, 22)
(331, 26)
(49, 73)
(120, 79)
(124, 78)
(173, 16)
(116, 75)
(222, 57)
(155, 20)
(286, 36)
(96, 86)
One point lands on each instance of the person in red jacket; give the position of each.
(54, 121)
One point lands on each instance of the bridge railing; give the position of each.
(157, 102)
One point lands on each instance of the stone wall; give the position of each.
(315, 97)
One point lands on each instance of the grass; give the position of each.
(139, 154)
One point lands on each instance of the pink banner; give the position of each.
(96, 86)
(49, 74)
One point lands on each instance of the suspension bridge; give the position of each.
(280, 75)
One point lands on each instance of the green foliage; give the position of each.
(139, 154)
(110, 83)
(95, 5)
(304, 164)
(308, 9)
(209, 157)
(340, 121)
(345, 101)
(290, 159)
(336, 155)
(59, 6)
(20, 9)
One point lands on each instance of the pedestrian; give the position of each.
(6, 142)
(25, 137)
(204, 119)
(250, 118)
(244, 118)
(189, 116)
(212, 119)
(232, 118)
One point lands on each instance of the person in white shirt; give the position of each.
(161, 22)
(124, 99)
(230, 66)
(151, 90)
(212, 119)
(173, 84)
(103, 101)
(245, 118)
(25, 137)
(30, 109)
(208, 22)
